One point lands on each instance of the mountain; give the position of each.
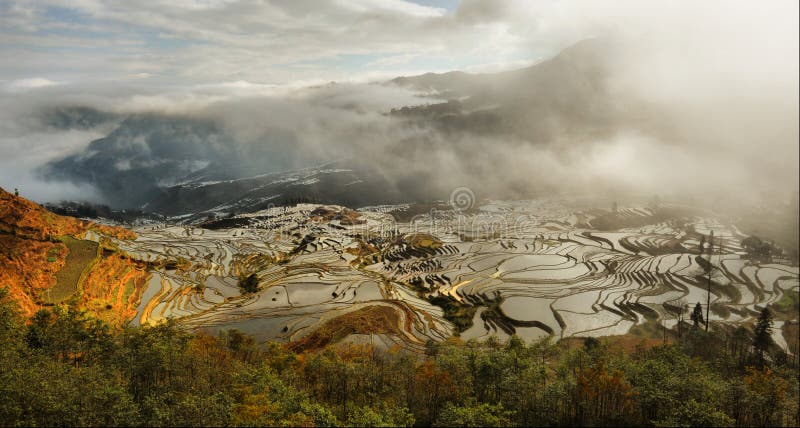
(326, 185)
(187, 165)
(76, 117)
(143, 152)
(567, 97)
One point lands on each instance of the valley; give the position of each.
(535, 269)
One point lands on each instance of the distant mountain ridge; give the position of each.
(567, 96)
(180, 165)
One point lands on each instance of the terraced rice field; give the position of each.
(80, 255)
(532, 268)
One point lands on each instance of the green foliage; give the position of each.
(381, 417)
(68, 335)
(789, 302)
(458, 313)
(81, 255)
(666, 377)
(10, 319)
(473, 414)
(694, 414)
(65, 368)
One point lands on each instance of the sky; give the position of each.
(277, 42)
(264, 42)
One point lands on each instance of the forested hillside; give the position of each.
(65, 368)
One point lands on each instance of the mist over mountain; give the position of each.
(467, 123)
(562, 125)
(148, 152)
(683, 101)
(567, 97)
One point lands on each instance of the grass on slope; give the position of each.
(789, 302)
(81, 254)
(371, 319)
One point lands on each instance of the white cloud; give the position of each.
(202, 41)
(139, 76)
(393, 60)
(392, 6)
(30, 83)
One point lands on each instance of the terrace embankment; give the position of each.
(81, 254)
(113, 287)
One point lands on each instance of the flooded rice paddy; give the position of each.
(552, 270)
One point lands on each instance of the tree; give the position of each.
(696, 414)
(11, 321)
(763, 334)
(381, 417)
(739, 344)
(249, 284)
(766, 397)
(590, 344)
(474, 414)
(681, 306)
(602, 395)
(751, 243)
(759, 250)
(244, 347)
(697, 315)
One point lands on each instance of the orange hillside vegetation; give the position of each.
(26, 219)
(30, 251)
(113, 287)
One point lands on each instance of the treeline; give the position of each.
(62, 368)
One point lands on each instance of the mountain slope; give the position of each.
(46, 258)
(340, 183)
(565, 97)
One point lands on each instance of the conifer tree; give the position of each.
(763, 334)
(697, 315)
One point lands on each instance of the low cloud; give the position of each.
(690, 98)
(32, 83)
